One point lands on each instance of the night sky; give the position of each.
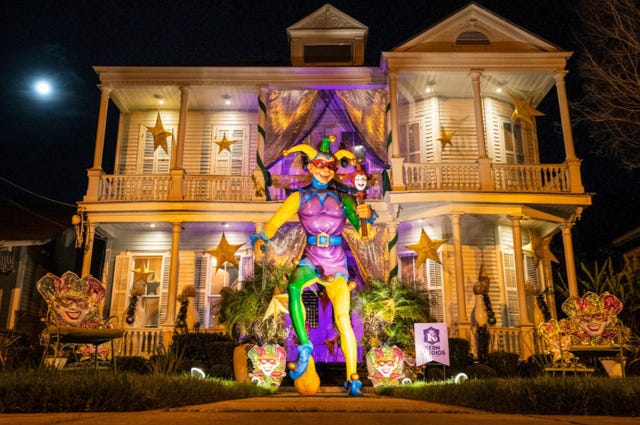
(47, 145)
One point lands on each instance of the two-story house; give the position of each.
(447, 123)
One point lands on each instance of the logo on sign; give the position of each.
(431, 335)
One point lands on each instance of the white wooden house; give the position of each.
(449, 117)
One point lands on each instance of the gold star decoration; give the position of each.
(225, 252)
(142, 273)
(426, 248)
(445, 137)
(523, 110)
(540, 248)
(278, 304)
(160, 135)
(224, 144)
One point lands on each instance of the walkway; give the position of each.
(330, 408)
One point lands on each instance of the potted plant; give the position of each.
(254, 315)
(388, 312)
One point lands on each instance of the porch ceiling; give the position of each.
(417, 85)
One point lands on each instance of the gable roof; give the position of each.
(474, 28)
(33, 225)
(328, 17)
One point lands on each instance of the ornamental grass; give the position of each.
(87, 390)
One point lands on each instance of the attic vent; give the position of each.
(473, 38)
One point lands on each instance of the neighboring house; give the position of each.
(33, 241)
(448, 119)
(628, 244)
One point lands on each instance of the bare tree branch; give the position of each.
(608, 63)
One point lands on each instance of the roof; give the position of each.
(32, 225)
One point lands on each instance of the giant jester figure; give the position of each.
(322, 210)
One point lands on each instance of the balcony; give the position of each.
(545, 178)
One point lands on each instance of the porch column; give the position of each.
(484, 163)
(526, 327)
(573, 163)
(174, 267)
(262, 136)
(182, 126)
(392, 248)
(95, 172)
(396, 159)
(177, 171)
(463, 320)
(519, 260)
(569, 259)
(88, 248)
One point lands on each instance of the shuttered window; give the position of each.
(511, 289)
(435, 290)
(513, 143)
(154, 161)
(230, 151)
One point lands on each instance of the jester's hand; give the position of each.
(259, 250)
(363, 211)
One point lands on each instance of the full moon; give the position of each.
(43, 88)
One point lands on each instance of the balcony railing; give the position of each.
(441, 176)
(223, 188)
(134, 188)
(549, 178)
(531, 178)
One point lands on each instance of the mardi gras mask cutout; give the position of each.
(593, 317)
(76, 301)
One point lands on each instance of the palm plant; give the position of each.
(242, 311)
(388, 312)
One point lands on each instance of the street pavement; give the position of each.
(331, 407)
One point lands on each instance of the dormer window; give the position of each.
(473, 38)
(328, 53)
(327, 37)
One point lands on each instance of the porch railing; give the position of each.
(531, 178)
(549, 178)
(141, 342)
(224, 188)
(134, 188)
(419, 176)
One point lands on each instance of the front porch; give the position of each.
(146, 342)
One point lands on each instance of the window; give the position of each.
(327, 53)
(150, 300)
(155, 161)
(513, 144)
(433, 289)
(511, 289)
(473, 38)
(230, 147)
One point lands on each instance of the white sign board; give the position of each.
(432, 343)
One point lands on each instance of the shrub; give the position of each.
(209, 351)
(459, 353)
(221, 371)
(480, 371)
(134, 364)
(388, 311)
(535, 365)
(504, 363)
